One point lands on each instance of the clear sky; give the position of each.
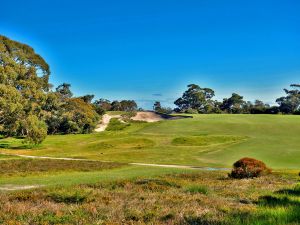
(150, 50)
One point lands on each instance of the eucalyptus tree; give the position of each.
(291, 102)
(24, 85)
(196, 98)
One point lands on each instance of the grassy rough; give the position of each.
(162, 200)
(25, 167)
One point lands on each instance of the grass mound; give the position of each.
(206, 140)
(122, 143)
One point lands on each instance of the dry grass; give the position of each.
(164, 200)
(26, 167)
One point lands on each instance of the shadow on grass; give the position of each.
(280, 208)
(293, 192)
(7, 145)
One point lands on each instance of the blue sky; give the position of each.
(150, 50)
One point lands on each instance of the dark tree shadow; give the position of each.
(7, 145)
(294, 192)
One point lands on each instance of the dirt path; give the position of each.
(12, 187)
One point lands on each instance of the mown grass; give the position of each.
(270, 138)
(181, 198)
(206, 140)
(67, 178)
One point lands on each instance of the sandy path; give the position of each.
(12, 187)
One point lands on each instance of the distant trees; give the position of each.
(195, 98)
(291, 102)
(158, 108)
(103, 105)
(200, 100)
(234, 104)
(87, 98)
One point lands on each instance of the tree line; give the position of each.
(200, 100)
(31, 107)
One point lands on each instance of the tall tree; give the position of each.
(64, 91)
(87, 98)
(233, 104)
(195, 98)
(157, 106)
(291, 102)
(23, 86)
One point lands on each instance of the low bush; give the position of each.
(248, 168)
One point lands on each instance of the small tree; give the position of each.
(36, 130)
(157, 106)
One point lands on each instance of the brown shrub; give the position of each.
(248, 168)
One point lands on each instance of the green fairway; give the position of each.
(205, 140)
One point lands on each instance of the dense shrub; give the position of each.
(248, 168)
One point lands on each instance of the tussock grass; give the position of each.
(197, 189)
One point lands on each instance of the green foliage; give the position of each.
(27, 103)
(194, 189)
(291, 102)
(22, 91)
(35, 130)
(195, 98)
(191, 111)
(116, 125)
(103, 105)
(79, 117)
(234, 104)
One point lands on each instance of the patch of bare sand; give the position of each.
(13, 187)
(147, 117)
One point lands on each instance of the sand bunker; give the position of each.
(155, 117)
(147, 116)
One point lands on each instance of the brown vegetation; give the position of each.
(249, 168)
(206, 197)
